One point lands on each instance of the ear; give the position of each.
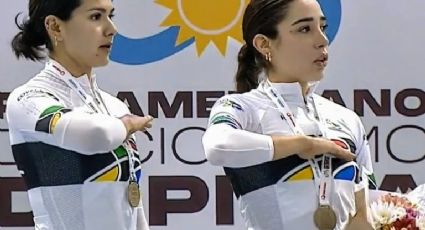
(262, 44)
(53, 27)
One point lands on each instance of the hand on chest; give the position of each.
(274, 123)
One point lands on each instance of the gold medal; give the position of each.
(325, 218)
(133, 194)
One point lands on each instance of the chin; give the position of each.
(319, 77)
(100, 63)
(315, 77)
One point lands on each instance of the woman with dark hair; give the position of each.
(73, 143)
(294, 159)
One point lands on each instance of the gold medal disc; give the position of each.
(133, 194)
(325, 218)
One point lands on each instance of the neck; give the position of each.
(279, 79)
(304, 87)
(71, 65)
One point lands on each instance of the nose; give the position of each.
(321, 40)
(111, 28)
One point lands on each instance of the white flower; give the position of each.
(385, 213)
(420, 222)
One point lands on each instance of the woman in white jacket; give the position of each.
(73, 143)
(277, 140)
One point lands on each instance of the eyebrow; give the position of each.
(103, 10)
(309, 19)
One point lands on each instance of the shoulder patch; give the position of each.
(49, 118)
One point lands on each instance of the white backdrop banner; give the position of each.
(173, 59)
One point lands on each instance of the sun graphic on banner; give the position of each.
(206, 21)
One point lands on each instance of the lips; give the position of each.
(106, 46)
(322, 60)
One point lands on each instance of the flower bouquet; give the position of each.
(393, 211)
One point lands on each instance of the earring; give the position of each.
(268, 57)
(56, 41)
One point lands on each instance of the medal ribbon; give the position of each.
(325, 175)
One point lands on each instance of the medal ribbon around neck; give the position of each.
(325, 174)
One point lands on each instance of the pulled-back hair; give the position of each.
(32, 39)
(260, 17)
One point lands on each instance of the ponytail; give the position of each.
(248, 70)
(30, 40)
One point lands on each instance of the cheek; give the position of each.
(290, 57)
(300, 57)
(83, 45)
(82, 37)
(75, 51)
